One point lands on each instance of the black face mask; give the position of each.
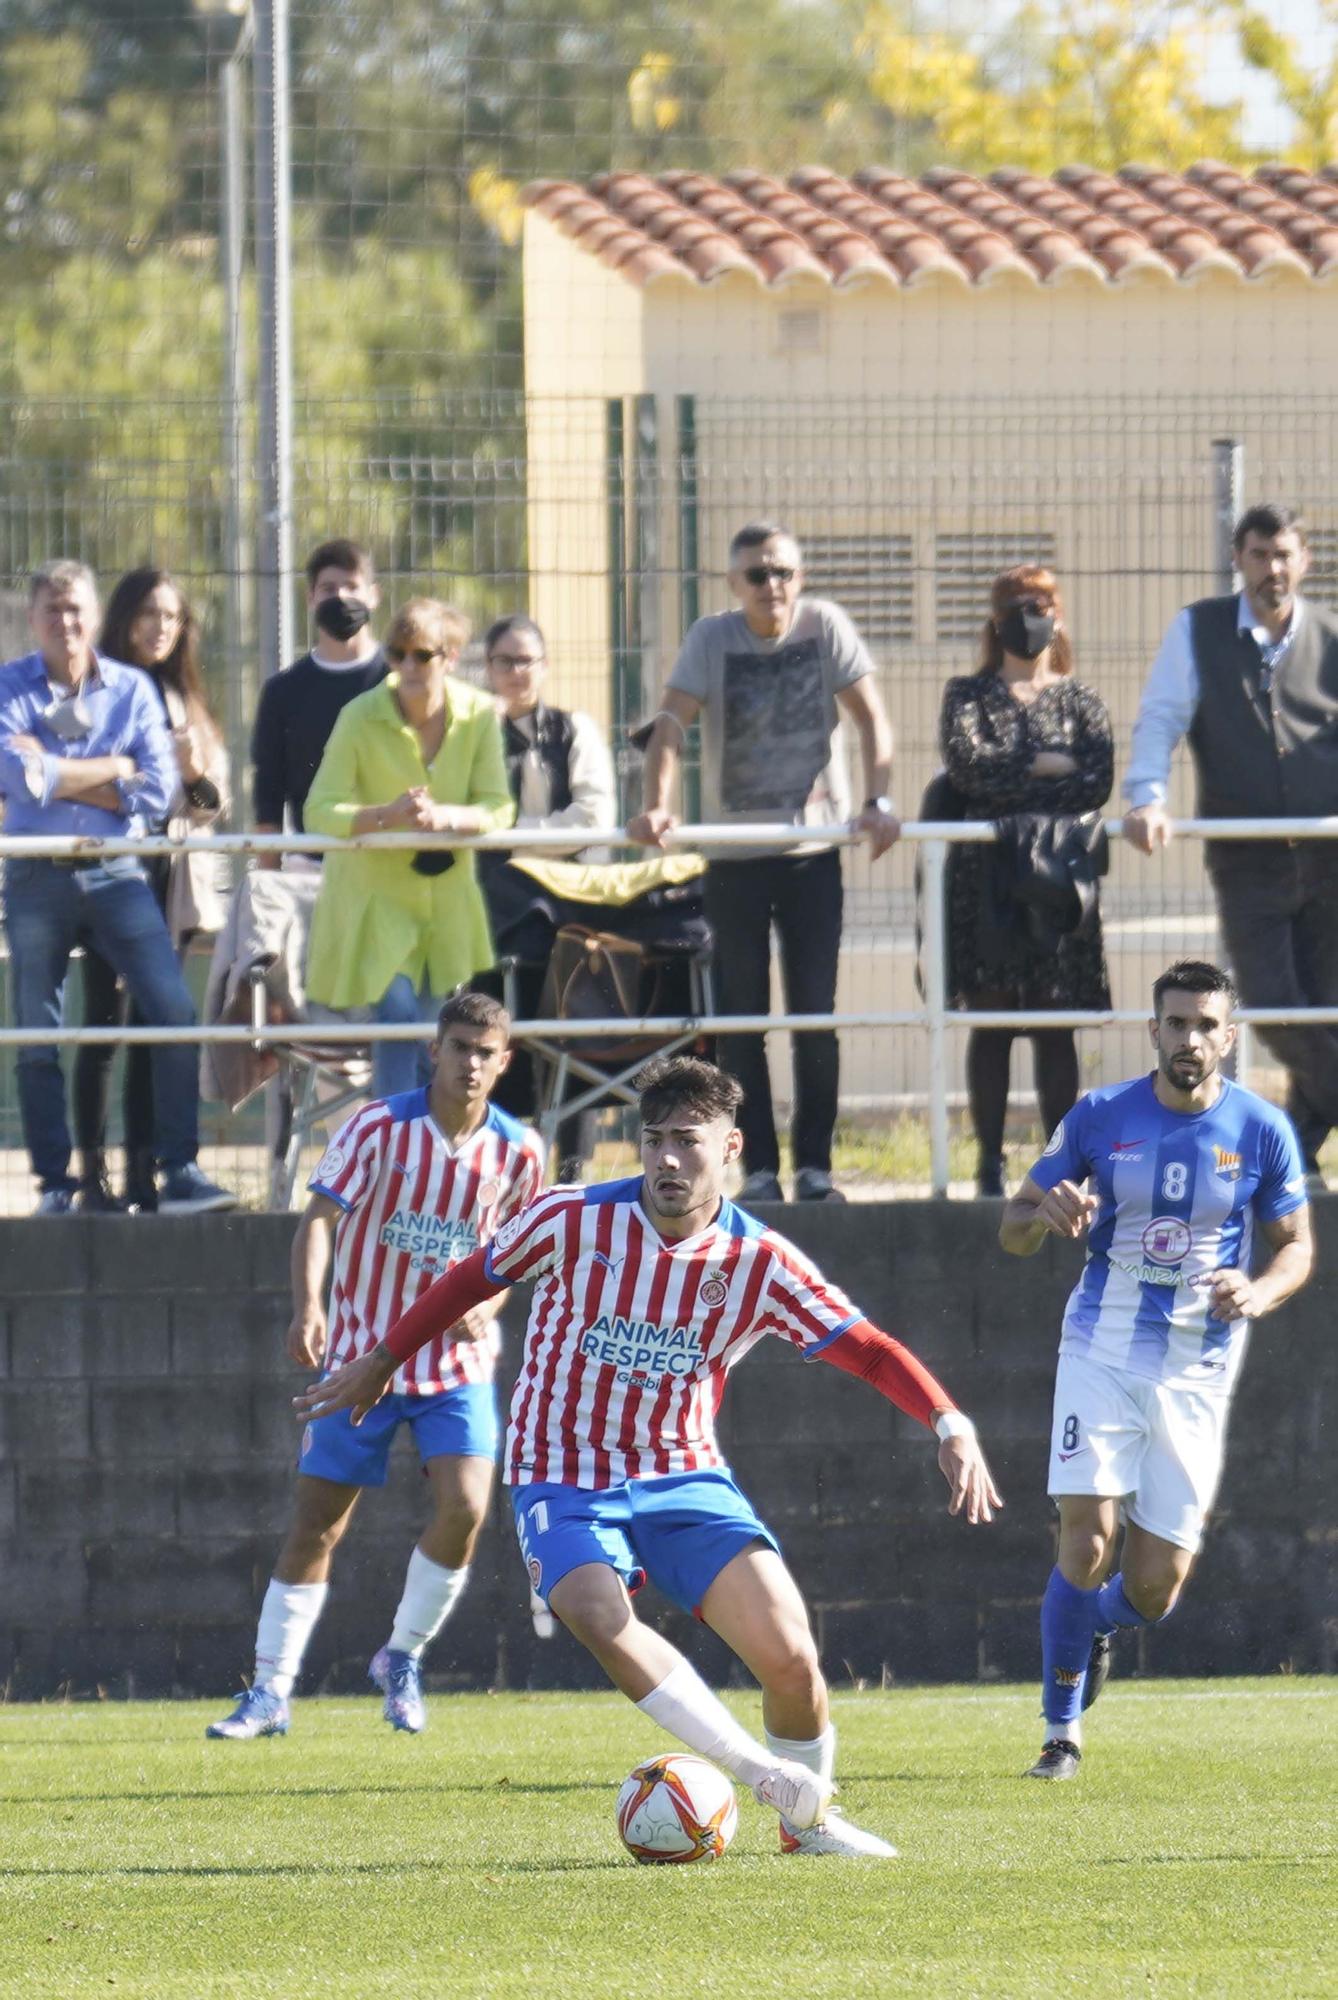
(342, 617)
(1026, 633)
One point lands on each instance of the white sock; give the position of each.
(1064, 1732)
(429, 1598)
(287, 1620)
(686, 1707)
(818, 1754)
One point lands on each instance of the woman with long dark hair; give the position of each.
(149, 624)
(1021, 735)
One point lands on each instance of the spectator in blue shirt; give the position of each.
(84, 750)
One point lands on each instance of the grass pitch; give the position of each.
(1193, 1855)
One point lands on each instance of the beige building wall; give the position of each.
(1078, 416)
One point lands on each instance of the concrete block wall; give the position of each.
(147, 1451)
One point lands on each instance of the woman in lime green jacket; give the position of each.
(397, 931)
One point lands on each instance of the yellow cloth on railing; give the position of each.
(610, 884)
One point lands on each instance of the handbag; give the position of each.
(594, 976)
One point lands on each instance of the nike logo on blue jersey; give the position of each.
(1126, 1145)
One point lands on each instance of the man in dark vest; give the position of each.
(1252, 681)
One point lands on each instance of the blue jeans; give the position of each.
(399, 1066)
(47, 906)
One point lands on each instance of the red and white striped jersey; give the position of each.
(630, 1337)
(414, 1205)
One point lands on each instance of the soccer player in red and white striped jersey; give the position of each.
(408, 1188)
(646, 1293)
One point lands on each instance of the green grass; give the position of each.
(1193, 1856)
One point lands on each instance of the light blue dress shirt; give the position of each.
(124, 718)
(1172, 693)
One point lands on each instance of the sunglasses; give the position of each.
(423, 655)
(515, 662)
(763, 573)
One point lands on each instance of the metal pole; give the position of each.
(1228, 506)
(934, 857)
(274, 553)
(233, 247)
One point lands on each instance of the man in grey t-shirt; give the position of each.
(770, 682)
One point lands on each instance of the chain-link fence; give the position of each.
(136, 346)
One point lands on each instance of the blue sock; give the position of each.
(1068, 1626)
(1114, 1608)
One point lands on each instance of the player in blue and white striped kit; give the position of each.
(1179, 1170)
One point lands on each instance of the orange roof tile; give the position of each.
(881, 225)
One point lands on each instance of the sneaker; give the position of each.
(258, 1713)
(186, 1191)
(397, 1676)
(96, 1197)
(1098, 1667)
(815, 1184)
(56, 1201)
(541, 1617)
(798, 1795)
(835, 1835)
(761, 1187)
(1058, 1759)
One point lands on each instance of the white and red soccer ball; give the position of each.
(677, 1808)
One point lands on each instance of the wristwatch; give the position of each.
(882, 804)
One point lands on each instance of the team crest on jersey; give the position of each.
(714, 1290)
(332, 1163)
(1055, 1141)
(509, 1232)
(1226, 1165)
(1167, 1240)
(488, 1193)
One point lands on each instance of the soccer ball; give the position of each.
(677, 1808)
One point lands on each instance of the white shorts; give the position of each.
(1121, 1436)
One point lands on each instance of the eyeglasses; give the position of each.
(423, 656)
(514, 662)
(764, 573)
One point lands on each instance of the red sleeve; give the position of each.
(448, 1299)
(891, 1369)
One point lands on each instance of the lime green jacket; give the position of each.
(375, 916)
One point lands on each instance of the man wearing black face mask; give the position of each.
(299, 707)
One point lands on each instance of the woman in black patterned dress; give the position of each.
(1021, 735)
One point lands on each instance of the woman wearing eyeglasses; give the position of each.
(149, 624)
(397, 931)
(1020, 735)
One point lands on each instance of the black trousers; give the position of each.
(1278, 907)
(801, 895)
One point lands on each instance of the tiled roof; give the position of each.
(879, 225)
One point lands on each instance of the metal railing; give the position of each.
(935, 1018)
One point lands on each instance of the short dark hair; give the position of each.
(753, 534)
(1268, 519)
(473, 1010)
(685, 1083)
(515, 621)
(339, 554)
(1192, 975)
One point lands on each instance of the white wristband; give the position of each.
(953, 1424)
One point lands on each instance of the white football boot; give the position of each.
(798, 1795)
(834, 1835)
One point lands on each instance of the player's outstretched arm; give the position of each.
(444, 1304)
(1236, 1295)
(1034, 1213)
(896, 1373)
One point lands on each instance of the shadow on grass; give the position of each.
(485, 1788)
(316, 1870)
(494, 1788)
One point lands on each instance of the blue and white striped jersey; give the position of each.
(1179, 1194)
